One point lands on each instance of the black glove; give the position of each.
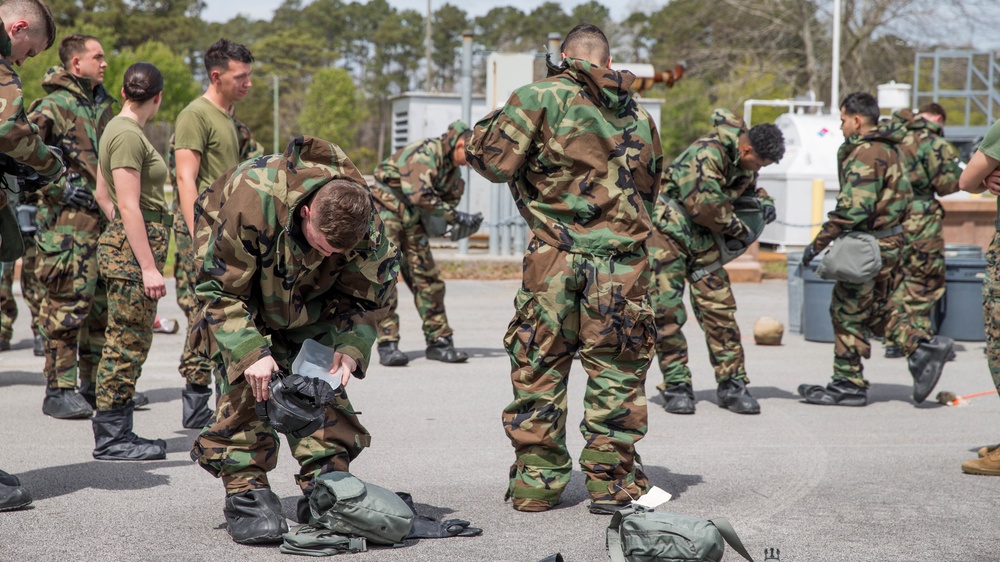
(807, 255)
(770, 213)
(76, 195)
(29, 180)
(425, 527)
(466, 224)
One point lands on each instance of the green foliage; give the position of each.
(685, 115)
(334, 110)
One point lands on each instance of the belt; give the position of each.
(162, 217)
(887, 232)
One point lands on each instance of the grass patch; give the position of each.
(482, 270)
(774, 270)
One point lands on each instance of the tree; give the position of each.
(334, 111)
(179, 88)
(449, 25)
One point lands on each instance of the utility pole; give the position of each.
(464, 204)
(835, 71)
(427, 52)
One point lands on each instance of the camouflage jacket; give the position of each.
(931, 161)
(706, 178)
(19, 138)
(72, 116)
(422, 174)
(260, 278)
(582, 158)
(874, 190)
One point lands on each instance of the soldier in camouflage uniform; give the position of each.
(207, 142)
(983, 174)
(290, 248)
(697, 198)
(420, 181)
(932, 164)
(8, 307)
(583, 161)
(26, 29)
(874, 196)
(72, 115)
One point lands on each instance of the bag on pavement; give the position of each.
(638, 534)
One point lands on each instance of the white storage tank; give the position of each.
(893, 96)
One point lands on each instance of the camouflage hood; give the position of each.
(914, 122)
(58, 78)
(608, 88)
(728, 128)
(450, 137)
(5, 45)
(891, 132)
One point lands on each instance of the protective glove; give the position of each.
(466, 224)
(425, 527)
(76, 195)
(30, 180)
(770, 213)
(807, 255)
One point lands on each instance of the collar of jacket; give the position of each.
(58, 78)
(728, 127)
(609, 88)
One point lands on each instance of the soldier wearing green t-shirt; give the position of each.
(206, 145)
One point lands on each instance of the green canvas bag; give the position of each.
(854, 256)
(344, 504)
(637, 534)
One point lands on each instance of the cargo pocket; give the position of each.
(636, 331)
(524, 322)
(55, 261)
(114, 255)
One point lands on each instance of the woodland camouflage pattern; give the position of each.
(265, 291)
(194, 368)
(704, 180)
(932, 163)
(31, 290)
(583, 161)
(874, 195)
(419, 178)
(72, 116)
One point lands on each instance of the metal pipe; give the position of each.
(464, 204)
(835, 71)
(496, 193)
(554, 43)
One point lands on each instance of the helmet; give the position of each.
(297, 405)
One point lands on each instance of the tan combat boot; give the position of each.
(983, 451)
(988, 465)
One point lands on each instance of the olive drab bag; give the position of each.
(344, 504)
(750, 210)
(853, 257)
(638, 534)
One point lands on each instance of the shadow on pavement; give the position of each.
(12, 378)
(161, 395)
(56, 481)
(474, 353)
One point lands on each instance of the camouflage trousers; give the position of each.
(241, 449)
(991, 308)
(130, 313)
(673, 259)
(862, 309)
(421, 275)
(195, 368)
(31, 289)
(73, 314)
(597, 305)
(921, 277)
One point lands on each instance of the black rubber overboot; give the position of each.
(39, 349)
(443, 349)
(114, 440)
(390, 355)
(12, 494)
(838, 393)
(678, 398)
(89, 392)
(194, 399)
(254, 517)
(139, 400)
(926, 364)
(734, 396)
(65, 404)
(302, 511)
(893, 352)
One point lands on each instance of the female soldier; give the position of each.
(130, 256)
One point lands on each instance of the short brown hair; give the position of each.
(35, 12)
(73, 45)
(341, 211)
(934, 109)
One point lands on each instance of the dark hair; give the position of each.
(934, 109)
(218, 55)
(73, 45)
(767, 141)
(142, 82)
(36, 12)
(342, 212)
(465, 136)
(587, 42)
(863, 104)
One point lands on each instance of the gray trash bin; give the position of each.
(795, 296)
(961, 309)
(817, 294)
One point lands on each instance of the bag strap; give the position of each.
(700, 273)
(729, 534)
(614, 541)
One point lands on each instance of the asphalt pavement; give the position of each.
(879, 483)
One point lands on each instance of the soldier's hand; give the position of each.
(152, 282)
(258, 376)
(77, 196)
(807, 255)
(992, 182)
(343, 366)
(770, 213)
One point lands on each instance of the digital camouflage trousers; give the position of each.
(599, 306)
(991, 308)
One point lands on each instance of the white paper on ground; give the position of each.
(654, 498)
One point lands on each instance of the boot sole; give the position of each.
(15, 507)
(264, 539)
(74, 416)
(980, 471)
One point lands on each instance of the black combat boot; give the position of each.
(89, 392)
(678, 398)
(114, 440)
(390, 355)
(39, 350)
(12, 494)
(4, 345)
(140, 400)
(194, 399)
(254, 517)
(302, 511)
(838, 393)
(734, 396)
(893, 352)
(926, 364)
(442, 349)
(65, 404)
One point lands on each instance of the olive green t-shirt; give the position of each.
(210, 131)
(124, 145)
(991, 147)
